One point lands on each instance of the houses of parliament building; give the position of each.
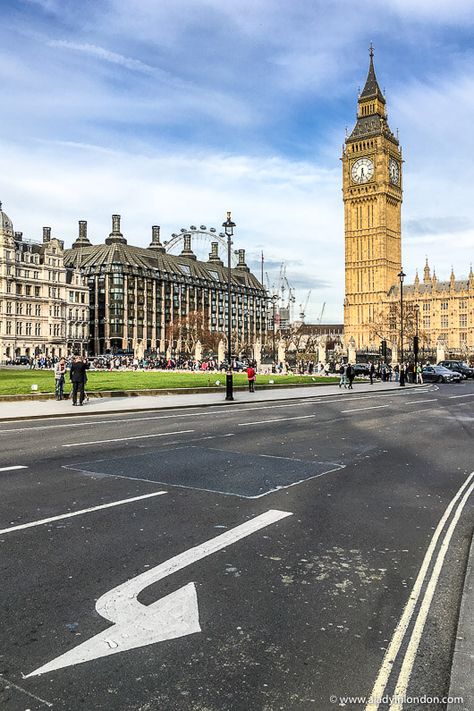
(372, 168)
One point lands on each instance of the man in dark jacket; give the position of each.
(78, 379)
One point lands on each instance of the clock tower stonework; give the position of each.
(372, 193)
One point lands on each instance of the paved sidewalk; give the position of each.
(462, 672)
(27, 409)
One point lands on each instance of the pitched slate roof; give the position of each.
(153, 262)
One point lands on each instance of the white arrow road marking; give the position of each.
(175, 615)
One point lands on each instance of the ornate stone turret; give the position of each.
(82, 240)
(6, 225)
(417, 281)
(46, 234)
(471, 278)
(187, 251)
(426, 273)
(452, 280)
(115, 237)
(214, 254)
(155, 239)
(371, 89)
(434, 280)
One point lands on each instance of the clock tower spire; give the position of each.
(372, 194)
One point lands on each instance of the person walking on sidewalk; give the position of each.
(59, 374)
(342, 374)
(78, 379)
(371, 372)
(350, 374)
(251, 376)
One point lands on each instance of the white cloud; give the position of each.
(276, 204)
(105, 54)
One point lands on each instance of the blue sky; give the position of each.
(172, 112)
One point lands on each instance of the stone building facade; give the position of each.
(44, 307)
(147, 301)
(372, 192)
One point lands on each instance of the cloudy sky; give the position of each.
(171, 112)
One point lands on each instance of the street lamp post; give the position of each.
(416, 339)
(274, 300)
(228, 226)
(401, 276)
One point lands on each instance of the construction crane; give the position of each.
(321, 314)
(304, 307)
(291, 299)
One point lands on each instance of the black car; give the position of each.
(458, 366)
(361, 368)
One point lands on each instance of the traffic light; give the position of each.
(384, 349)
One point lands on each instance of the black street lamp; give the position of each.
(401, 276)
(228, 226)
(416, 339)
(274, 300)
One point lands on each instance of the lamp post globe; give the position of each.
(228, 226)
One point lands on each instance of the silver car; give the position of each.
(440, 374)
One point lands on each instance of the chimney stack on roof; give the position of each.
(82, 240)
(46, 234)
(115, 237)
(187, 251)
(18, 236)
(155, 239)
(214, 254)
(241, 264)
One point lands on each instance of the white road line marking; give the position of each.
(398, 635)
(362, 409)
(118, 420)
(10, 469)
(24, 691)
(454, 397)
(176, 615)
(79, 513)
(279, 419)
(416, 402)
(124, 439)
(412, 649)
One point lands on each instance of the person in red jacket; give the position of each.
(251, 375)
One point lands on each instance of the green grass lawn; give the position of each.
(19, 382)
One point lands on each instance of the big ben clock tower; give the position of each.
(372, 192)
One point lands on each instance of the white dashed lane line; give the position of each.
(279, 419)
(70, 514)
(417, 402)
(125, 439)
(10, 469)
(363, 409)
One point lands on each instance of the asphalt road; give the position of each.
(280, 554)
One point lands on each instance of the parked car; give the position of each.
(439, 374)
(458, 366)
(361, 368)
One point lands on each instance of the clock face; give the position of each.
(362, 170)
(394, 171)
